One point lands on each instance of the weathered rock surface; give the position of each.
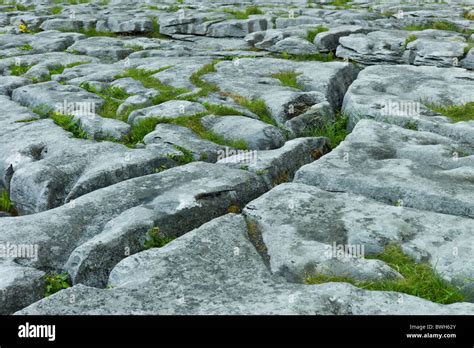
(392, 164)
(398, 94)
(202, 150)
(52, 96)
(169, 109)
(301, 227)
(252, 79)
(279, 165)
(192, 278)
(88, 236)
(256, 134)
(145, 88)
(44, 167)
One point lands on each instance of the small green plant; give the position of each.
(411, 125)
(257, 106)
(187, 156)
(60, 69)
(249, 11)
(160, 169)
(113, 97)
(457, 113)
(172, 8)
(69, 124)
(55, 283)
(469, 15)
(310, 36)
(5, 203)
(18, 70)
(470, 45)
(26, 48)
(318, 57)
(155, 32)
(419, 279)
(141, 129)
(206, 88)
(56, 10)
(438, 25)
(341, 3)
(289, 79)
(221, 110)
(156, 239)
(21, 7)
(409, 39)
(145, 77)
(336, 131)
(398, 203)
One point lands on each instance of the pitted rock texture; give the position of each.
(195, 158)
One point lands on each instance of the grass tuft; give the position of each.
(409, 39)
(69, 124)
(156, 239)
(26, 47)
(439, 25)
(289, 79)
(55, 283)
(148, 81)
(319, 57)
(249, 11)
(336, 131)
(5, 203)
(419, 279)
(310, 36)
(113, 97)
(457, 113)
(221, 110)
(19, 70)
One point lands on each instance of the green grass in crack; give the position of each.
(469, 15)
(145, 77)
(470, 45)
(319, 57)
(439, 25)
(155, 32)
(457, 113)
(56, 10)
(156, 239)
(419, 279)
(221, 110)
(26, 48)
(249, 11)
(69, 124)
(60, 68)
(206, 87)
(186, 158)
(335, 131)
(5, 203)
(18, 70)
(55, 283)
(113, 97)
(341, 3)
(409, 39)
(288, 78)
(257, 106)
(312, 33)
